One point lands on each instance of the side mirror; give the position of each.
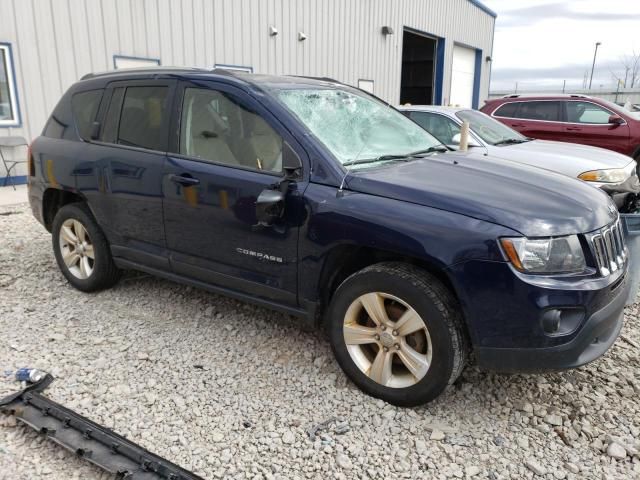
(616, 120)
(269, 207)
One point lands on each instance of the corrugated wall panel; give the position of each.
(52, 47)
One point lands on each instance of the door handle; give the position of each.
(517, 124)
(574, 129)
(184, 179)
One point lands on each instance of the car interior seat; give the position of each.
(207, 135)
(265, 144)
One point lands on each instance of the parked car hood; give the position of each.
(532, 201)
(569, 158)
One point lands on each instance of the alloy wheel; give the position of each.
(387, 339)
(77, 249)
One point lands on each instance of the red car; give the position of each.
(570, 118)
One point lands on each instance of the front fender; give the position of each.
(434, 236)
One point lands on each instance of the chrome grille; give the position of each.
(609, 248)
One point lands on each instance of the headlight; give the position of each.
(545, 255)
(611, 175)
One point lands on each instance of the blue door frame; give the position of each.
(438, 77)
(477, 75)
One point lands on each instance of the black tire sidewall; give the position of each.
(102, 261)
(440, 371)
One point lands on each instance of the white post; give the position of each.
(464, 137)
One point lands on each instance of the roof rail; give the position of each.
(128, 71)
(550, 94)
(322, 79)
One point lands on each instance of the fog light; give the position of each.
(562, 320)
(551, 321)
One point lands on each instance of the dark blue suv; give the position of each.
(321, 201)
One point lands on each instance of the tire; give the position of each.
(442, 346)
(97, 273)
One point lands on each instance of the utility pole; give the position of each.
(595, 52)
(564, 84)
(516, 88)
(626, 75)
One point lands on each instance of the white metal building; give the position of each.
(416, 51)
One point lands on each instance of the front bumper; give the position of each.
(507, 326)
(594, 338)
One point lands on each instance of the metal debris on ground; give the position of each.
(340, 428)
(86, 439)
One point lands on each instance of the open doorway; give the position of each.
(418, 69)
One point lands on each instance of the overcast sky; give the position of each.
(540, 43)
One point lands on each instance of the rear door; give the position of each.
(227, 150)
(534, 118)
(588, 123)
(129, 158)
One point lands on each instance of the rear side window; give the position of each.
(545, 111)
(142, 117)
(587, 112)
(85, 107)
(506, 110)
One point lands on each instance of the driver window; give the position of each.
(587, 112)
(441, 127)
(217, 129)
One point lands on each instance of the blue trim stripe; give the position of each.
(17, 180)
(18, 121)
(437, 97)
(477, 75)
(484, 8)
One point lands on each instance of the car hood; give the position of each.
(532, 201)
(569, 158)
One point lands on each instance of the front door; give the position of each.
(588, 123)
(228, 149)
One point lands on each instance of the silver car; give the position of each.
(613, 172)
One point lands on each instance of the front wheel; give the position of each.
(81, 249)
(397, 333)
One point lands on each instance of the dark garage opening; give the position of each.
(418, 69)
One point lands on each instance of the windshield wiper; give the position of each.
(511, 141)
(362, 161)
(417, 154)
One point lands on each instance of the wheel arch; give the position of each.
(53, 199)
(345, 260)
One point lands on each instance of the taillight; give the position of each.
(30, 165)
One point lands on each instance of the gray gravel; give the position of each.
(227, 389)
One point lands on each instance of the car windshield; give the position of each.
(356, 127)
(619, 109)
(491, 131)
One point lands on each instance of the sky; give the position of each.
(541, 43)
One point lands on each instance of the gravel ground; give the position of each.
(226, 389)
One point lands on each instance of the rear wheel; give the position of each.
(81, 249)
(397, 333)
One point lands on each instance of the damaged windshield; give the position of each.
(357, 129)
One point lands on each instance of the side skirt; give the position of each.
(306, 316)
